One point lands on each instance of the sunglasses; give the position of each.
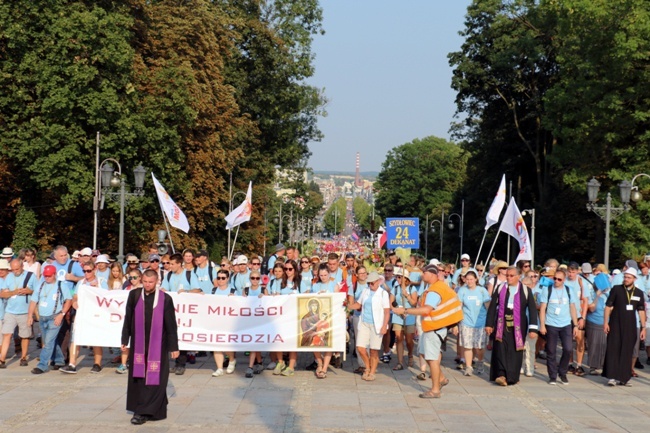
(155, 261)
(289, 269)
(132, 263)
(255, 264)
(254, 278)
(222, 278)
(133, 277)
(87, 271)
(388, 270)
(224, 264)
(558, 279)
(304, 261)
(165, 263)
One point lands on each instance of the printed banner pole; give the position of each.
(234, 242)
(481, 247)
(169, 233)
(492, 249)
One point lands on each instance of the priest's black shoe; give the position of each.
(139, 419)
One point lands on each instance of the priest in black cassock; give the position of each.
(512, 315)
(150, 325)
(621, 326)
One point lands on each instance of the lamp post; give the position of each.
(461, 219)
(111, 178)
(442, 230)
(426, 234)
(607, 212)
(532, 228)
(336, 218)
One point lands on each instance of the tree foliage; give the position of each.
(334, 218)
(363, 214)
(191, 90)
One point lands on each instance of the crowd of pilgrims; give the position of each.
(286, 272)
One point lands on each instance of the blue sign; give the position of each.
(403, 232)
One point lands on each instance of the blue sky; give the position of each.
(383, 65)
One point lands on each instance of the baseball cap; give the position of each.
(434, 262)
(95, 253)
(586, 268)
(86, 252)
(464, 257)
(75, 255)
(431, 268)
(49, 271)
(153, 257)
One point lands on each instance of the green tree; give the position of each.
(25, 229)
(363, 214)
(334, 218)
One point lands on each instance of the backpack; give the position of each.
(264, 268)
(27, 278)
(188, 277)
(548, 295)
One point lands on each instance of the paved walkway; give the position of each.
(86, 402)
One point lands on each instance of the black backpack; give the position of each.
(264, 269)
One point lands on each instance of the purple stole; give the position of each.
(155, 341)
(516, 316)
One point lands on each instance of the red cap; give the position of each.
(49, 271)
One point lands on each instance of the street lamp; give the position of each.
(635, 194)
(607, 212)
(442, 230)
(461, 219)
(336, 218)
(532, 228)
(110, 179)
(426, 234)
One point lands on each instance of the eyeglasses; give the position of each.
(534, 276)
(133, 277)
(464, 260)
(87, 271)
(254, 278)
(165, 263)
(155, 261)
(222, 278)
(255, 264)
(558, 279)
(304, 261)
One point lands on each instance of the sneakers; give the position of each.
(572, 369)
(249, 372)
(593, 372)
(69, 369)
(23, 362)
(96, 368)
(191, 359)
(611, 382)
(180, 370)
(480, 367)
(257, 368)
(461, 366)
(278, 368)
(580, 371)
(385, 358)
(528, 373)
(231, 367)
(638, 364)
(218, 372)
(552, 382)
(3, 364)
(37, 371)
(468, 371)
(271, 365)
(287, 372)
(121, 369)
(563, 379)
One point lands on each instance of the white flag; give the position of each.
(497, 205)
(174, 214)
(243, 212)
(514, 225)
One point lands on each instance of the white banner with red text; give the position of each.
(291, 323)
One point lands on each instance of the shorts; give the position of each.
(472, 338)
(368, 337)
(647, 335)
(410, 329)
(20, 320)
(430, 343)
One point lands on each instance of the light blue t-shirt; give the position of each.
(62, 270)
(558, 313)
(404, 302)
(203, 277)
(474, 309)
(273, 287)
(3, 302)
(366, 308)
(433, 299)
(240, 280)
(597, 317)
(49, 299)
(324, 287)
(357, 294)
(174, 282)
(103, 275)
(255, 293)
(306, 282)
(576, 293)
(220, 292)
(289, 289)
(19, 304)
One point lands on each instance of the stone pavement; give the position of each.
(85, 402)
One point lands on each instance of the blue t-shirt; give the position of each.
(597, 317)
(305, 281)
(62, 270)
(48, 298)
(324, 287)
(240, 280)
(3, 302)
(474, 310)
(404, 302)
(273, 287)
(433, 299)
(558, 313)
(220, 292)
(576, 293)
(203, 277)
(356, 294)
(103, 276)
(289, 289)
(174, 282)
(255, 293)
(19, 304)
(366, 308)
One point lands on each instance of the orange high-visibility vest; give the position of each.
(448, 312)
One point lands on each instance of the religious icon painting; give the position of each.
(315, 322)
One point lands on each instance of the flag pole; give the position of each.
(169, 233)
(492, 249)
(481, 247)
(233, 244)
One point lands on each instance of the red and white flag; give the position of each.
(174, 214)
(514, 225)
(243, 212)
(499, 201)
(383, 237)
